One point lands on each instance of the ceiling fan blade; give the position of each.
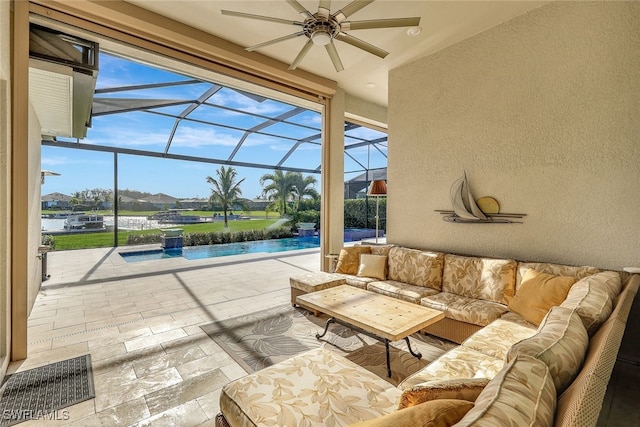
(301, 55)
(261, 18)
(324, 8)
(350, 9)
(300, 9)
(380, 23)
(353, 41)
(279, 39)
(335, 58)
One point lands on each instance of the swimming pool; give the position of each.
(210, 251)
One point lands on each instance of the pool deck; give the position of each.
(140, 322)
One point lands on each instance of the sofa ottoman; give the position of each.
(312, 282)
(315, 388)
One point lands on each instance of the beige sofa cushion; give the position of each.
(349, 259)
(416, 267)
(458, 363)
(358, 282)
(561, 343)
(538, 293)
(496, 339)
(522, 394)
(308, 389)
(465, 309)
(400, 290)
(465, 389)
(437, 413)
(592, 297)
(480, 278)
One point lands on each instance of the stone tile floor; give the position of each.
(152, 364)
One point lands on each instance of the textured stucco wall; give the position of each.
(542, 112)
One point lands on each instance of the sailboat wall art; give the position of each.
(466, 209)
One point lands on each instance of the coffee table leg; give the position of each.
(418, 354)
(326, 327)
(386, 346)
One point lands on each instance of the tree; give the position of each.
(224, 189)
(303, 186)
(280, 190)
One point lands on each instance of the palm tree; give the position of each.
(279, 190)
(225, 189)
(303, 186)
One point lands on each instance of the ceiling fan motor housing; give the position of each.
(321, 30)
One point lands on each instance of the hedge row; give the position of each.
(214, 238)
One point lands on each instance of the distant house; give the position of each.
(257, 204)
(56, 201)
(197, 204)
(160, 201)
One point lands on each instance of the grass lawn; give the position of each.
(105, 239)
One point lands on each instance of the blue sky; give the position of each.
(82, 169)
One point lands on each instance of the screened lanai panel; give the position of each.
(132, 130)
(203, 140)
(220, 115)
(271, 149)
(304, 156)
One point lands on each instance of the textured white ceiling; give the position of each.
(443, 24)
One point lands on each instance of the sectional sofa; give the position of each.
(538, 342)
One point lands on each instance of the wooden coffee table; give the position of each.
(384, 318)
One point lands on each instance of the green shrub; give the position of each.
(49, 240)
(216, 238)
(143, 239)
(360, 213)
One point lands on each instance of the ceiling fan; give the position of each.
(323, 27)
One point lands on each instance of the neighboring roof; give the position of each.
(126, 199)
(56, 197)
(159, 198)
(198, 200)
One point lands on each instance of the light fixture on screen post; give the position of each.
(378, 188)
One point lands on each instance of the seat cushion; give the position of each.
(315, 388)
(522, 394)
(316, 281)
(465, 309)
(480, 278)
(514, 317)
(561, 343)
(400, 290)
(459, 363)
(497, 338)
(416, 267)
(358, 282)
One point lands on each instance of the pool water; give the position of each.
(210, 251)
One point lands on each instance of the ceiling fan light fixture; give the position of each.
(321, 38)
